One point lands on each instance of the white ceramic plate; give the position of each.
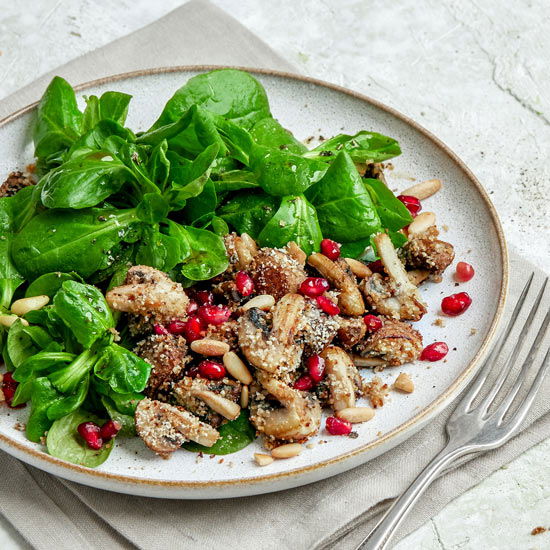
(309, 108)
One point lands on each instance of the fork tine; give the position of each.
(508, 400)
(503, 374)
(480, 379)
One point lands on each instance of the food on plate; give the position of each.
(209, 280)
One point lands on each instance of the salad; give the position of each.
(206, 281)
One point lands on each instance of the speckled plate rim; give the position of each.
(398, 434)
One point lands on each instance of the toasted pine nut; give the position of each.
(296, 252)
(416, 276)
(263, 301)
(367, 361)
(24, 305)
(404, 383)
(287, 451)
(421, 223)
(356, 415)
(244, 397)
(207, 346)
(8, 320)
(423, 190)
(359, 269)
(262, 459)
(228, 409)
(236, 367)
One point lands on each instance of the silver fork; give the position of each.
(473, 429)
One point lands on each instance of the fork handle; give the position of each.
(379, 537)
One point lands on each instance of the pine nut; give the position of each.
(423, 190)
(263, 459)
(287, 451)
(404, 383)
(244, 397)
(367, 361)
(236, 367)
(210, 347)
(359, 269)
(263, 301)
(296, 252)
(8, 320)
(422, 222)
(355, 415)
(228, 409)
(33, 303)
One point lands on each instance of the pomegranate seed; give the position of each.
(304, 383)
(211, 370)
(373, 322)
(192, 307)
(376, 267)
(214, 315)
(160, 329)
(109, 430)
(9, 387)
(434, 352)
(327, 305)
(245, 284)
(456, 304)
(464, 272)
(412, 203)
(176, 327)
(330, 248)
(90, 432)
(337, 426)
(193, 371)
(193, 329)
(316, 367)
(205, 297)
(7, 380)
(314, 286)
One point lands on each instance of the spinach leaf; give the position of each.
(124, 403)
(364, 147)
(82, 241)
(110, 106)
(235, 435)
(159, 165)
(249, 213)
(68, 378)
(295, 220)
(84, 310)
(58, 119)
(83, 182)
(344, 207)
(128, 427)
(64, 442)
(236, 139)
(233, 94)
(69, 403)
(234, 180)
(202, 206)
(160, 251)
(270, 133)
(152, 208)
(124, 371)
(43, 395)
(49, 283)
(392, 212)
(10, 278)
(23, 342)
(282, 173)
(24, 205)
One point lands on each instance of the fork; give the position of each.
(473, 429)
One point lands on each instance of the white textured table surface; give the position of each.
(474, 73)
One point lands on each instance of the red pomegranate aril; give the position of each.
(176, 327)
(376, 267)
(160, 330)
(412, 203)
(109, 430)
(214, 315)
(192, 307)
(456, 304)
(337, 426)
(211, 370)
(327, 305)
(464, 272)
(204, 297)
(245, 284)
(330, 248)
(9, 387)
(434, 352)
(316, 367)
(314, 286)
(193, 371)
(373, 322)
(91, 433)
(304, 383)
(193, 329)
